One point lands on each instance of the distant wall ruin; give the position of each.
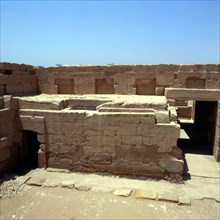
(118, 133)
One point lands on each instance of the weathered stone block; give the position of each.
(165, 79)
(127, 129)
(162, 117)
(132, 140)
(145, 194)
(173, 166)
(160, 90)
(41, 159)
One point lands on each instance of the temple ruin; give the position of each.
(119, 119)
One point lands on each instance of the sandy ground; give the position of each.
(64, 203)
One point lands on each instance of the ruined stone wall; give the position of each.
(115, 142)
(17, 79)
(139, 142)
(10, 136)
(126, 79)
(130, 79)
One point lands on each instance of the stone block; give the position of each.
(186, 68)
(43, 147)
(64, 149)
(172, 166)
(127, 129)
(195, 82)
(82, 186)
(145, 86)
(10, 102)
(50, 184)
(168, 196)
(160, 90)
(149, 119)
(193, 94)
(184, 199)
(162, 117)
(41, 159)
(212, 84)
(145, 130)
(94, 140)
(41, 138)
(147, 141)
(69, 128)
(132, 140)
(33, 123)
(35, 181)
(22, 179)
(122, 192)
(145, 194)
(102, 189)
(211, 67)
(68, 184)
(165, 79)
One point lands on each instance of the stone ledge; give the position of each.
(193, 94)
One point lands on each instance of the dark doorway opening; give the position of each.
(29, 150)
(199, 133)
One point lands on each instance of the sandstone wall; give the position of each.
(119, 143)
(126, 141)
(126, 79)
(10, 136)
(17, 79)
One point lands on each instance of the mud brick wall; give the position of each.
(126, 79)
(119, 143)
(17, 79)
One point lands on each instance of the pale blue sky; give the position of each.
(47, 33)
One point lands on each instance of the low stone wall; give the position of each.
(133, 143)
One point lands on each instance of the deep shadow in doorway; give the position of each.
(199, 132)
(28, 152)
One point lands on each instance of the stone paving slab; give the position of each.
(196, 188)
(145, 194)
(167, 196)
(23, 179)
(82, 186)
(122, 192)
(68, 184)
(35, 182)
(184, 199)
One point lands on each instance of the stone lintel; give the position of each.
(193, 94)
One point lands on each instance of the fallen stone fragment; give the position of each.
(68, 184)
(82, 187)
(145, 194)
(102, 189)
(35, 182)
(122, 192)
(50, 184)
(49, 169)
(184, 199)
(22, 179)
(169, 197)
